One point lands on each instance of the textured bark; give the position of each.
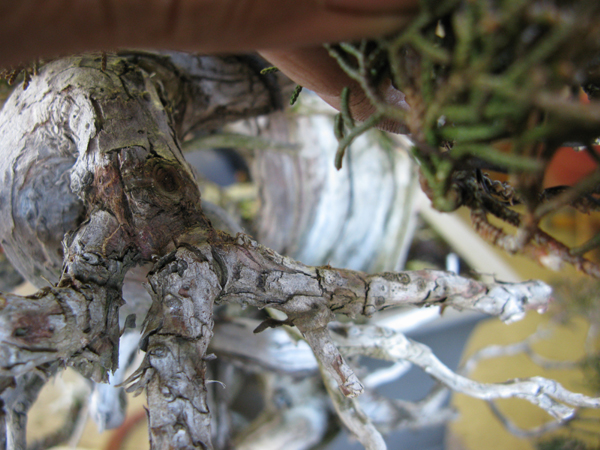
(136, 202)
(101, 141)
(177, 332)
(75, 111)
(311, 296)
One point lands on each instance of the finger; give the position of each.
(314, 69)
(37, 28)
(374, 6)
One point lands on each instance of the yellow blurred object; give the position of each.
(477, 428)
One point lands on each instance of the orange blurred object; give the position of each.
(568, 167)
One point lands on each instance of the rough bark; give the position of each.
(104, 142)
(139, 203)
(75, 111)
(177, 331)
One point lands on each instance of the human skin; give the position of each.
(288, 33)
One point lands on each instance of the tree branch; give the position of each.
(383, 343)
(311, 296)
(143, 206)
(177, 332)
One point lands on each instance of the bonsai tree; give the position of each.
(96, 187)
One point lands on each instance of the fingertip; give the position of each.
(314, 69)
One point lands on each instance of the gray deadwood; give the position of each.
(95, 154)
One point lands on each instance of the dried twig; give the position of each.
(386, 344)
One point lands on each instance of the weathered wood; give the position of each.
(74, 110)
(94, 154)
(360, 217)
(137, 203)
(177, 332)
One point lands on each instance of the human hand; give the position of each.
(287, 32)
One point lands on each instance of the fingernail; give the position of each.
(373, 6)
(393, 96)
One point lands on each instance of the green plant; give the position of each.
(491, 85)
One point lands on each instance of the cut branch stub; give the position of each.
(76, 321)
(53, 324)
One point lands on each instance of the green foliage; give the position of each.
(268, 70)
(491, 85)
(295, 94)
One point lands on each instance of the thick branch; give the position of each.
(311, 296)
(176, 336)
(260, 277)
(102, 141)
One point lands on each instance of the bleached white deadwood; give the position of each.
(386, 344)
(387, 374)
(271, 350)
(108, 404)
(275, 351)
(314, 213)
(353, 417)
(296, 411)
(525, 347)
(394, 414)
(294, 418)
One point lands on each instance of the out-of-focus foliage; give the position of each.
(492, 85)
